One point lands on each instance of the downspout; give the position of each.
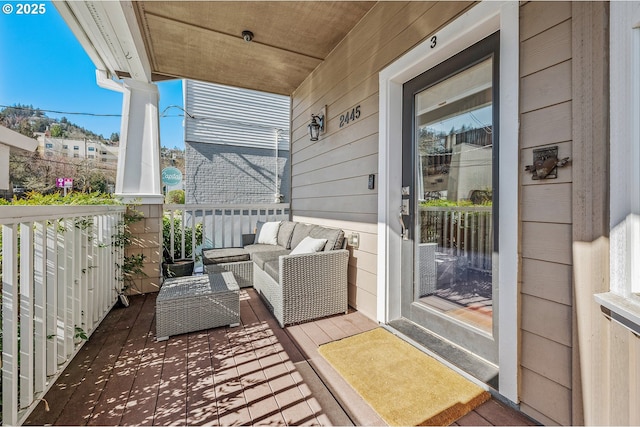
(103, 80)
(277, 196)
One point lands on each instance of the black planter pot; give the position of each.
(178, 268)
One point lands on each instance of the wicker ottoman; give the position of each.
(194, 303)
(242, 271)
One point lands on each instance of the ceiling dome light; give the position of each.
(247, 35)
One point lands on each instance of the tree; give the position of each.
(89, 177)
(56, 131)
(115, 137)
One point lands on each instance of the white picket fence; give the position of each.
(59, 280)
(220, 225)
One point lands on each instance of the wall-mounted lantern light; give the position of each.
(317, 126)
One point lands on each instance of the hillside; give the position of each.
(27, 120)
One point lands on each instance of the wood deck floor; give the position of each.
(253, 374)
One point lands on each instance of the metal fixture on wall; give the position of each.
(353, 240)
(546, 163)
(317, 125)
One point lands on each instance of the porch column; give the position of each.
(138, 176)
(5, 182)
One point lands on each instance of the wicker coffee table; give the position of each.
(194, 303)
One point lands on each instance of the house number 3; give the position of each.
(434, 41)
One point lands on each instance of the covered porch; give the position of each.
(254, 374)
(561, 354)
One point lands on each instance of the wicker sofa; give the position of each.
(297, 287)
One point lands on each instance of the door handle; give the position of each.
(405, 231)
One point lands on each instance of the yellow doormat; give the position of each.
(403, 385)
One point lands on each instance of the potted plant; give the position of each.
(174, 264)
(176, 268)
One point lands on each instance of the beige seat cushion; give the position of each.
(260, 258)
(221, 256)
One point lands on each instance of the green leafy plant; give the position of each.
(175, 197)
(132, 264)
(73, 198)
(177, 236)
(80, 334)
(444, 203)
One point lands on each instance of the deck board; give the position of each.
(256, 373)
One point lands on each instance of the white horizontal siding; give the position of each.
(234, 116)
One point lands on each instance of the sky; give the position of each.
(42, 64)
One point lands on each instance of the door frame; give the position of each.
(472, 26)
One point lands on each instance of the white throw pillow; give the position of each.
(309, 245)
(268, 234)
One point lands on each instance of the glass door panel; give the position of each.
(449, 178)
(453, 125)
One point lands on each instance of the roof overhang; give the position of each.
(108, 31)
(202, 40)
(17, 141)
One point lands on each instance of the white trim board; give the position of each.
(472, 26)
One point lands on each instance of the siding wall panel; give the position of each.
(329, 177)
(546, 382)
(547, 242)
(543, 317)
(546, 49)
(619, 368)
(547, 280)
(363, 301)
(345, 170)
(365, 126)
(537, 415)
(363, 147)
(314, 216)
(539, 16)
(233, 116)
(555, 364)
(345, 187)
(343, 204)
(634, 374)
(557, 126)
(547, 87)
(548, 397)
(546, 203)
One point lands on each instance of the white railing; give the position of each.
(59, 279)
(460, 231)
(214, 226)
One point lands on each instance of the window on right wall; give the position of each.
(623, 299)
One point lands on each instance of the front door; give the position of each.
(450, 200)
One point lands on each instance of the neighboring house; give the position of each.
(554, 316)
(77, 148)
(236, 145)
(11, 141)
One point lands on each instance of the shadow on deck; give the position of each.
(257, 373)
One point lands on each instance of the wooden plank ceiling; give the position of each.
(203, 40)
